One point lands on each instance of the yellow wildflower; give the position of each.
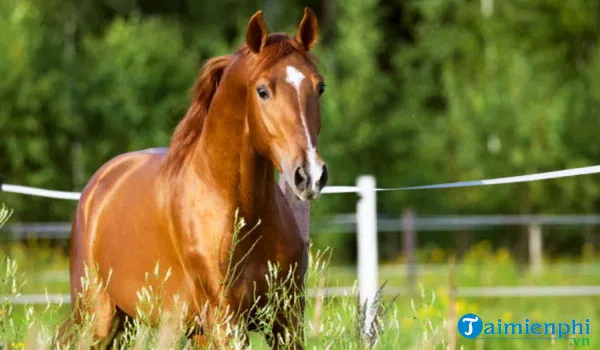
(408, 322)
(502, 255)
(426, 311)
(441, 294)
(536, 315)
(438, 255)
(474, 308)
(461, 307)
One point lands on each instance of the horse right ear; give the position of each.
(257, 32)
(308, 29)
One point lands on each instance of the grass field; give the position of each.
(425, 321)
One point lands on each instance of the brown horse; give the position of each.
(252, 112)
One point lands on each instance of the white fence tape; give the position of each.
(484, 292)
(486, 182)
(40, 192)
(464, 292)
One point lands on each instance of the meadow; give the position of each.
(425, 319)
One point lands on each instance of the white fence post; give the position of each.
(408, 245)
(366, 221)
(535, 248)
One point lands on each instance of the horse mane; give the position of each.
(190, 128)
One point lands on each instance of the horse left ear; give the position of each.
(257, 33)
(308, 29)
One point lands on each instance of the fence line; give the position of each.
(485, 182)
(484, 292)
(595, 169)
(346, 223)
(367, 225)
(39, 192)
(390, 271)
(464, 292)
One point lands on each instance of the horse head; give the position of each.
(284, 113)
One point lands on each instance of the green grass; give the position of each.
(411, 323)
(406, 328)
(425, 321)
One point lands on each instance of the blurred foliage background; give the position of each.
(419, 92)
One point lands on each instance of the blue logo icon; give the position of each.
(470, 326)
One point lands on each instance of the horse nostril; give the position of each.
(300, 177)
(324, 177)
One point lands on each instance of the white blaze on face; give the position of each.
(295, 78)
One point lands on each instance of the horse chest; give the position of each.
(273, 260)
(238, 264)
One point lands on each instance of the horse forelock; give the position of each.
(278, 46)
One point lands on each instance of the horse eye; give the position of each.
(262, 92)
(321, 89)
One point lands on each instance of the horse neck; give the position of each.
(225, 158)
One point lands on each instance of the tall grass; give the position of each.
(425, 321)
(336, 323)
(5, 214)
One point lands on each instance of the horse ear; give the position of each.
(308, 29)
(257, 32)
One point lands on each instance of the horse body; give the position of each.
(119, 231)
(254, 112)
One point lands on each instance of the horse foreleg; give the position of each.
(65, 335)
(288, 329)
(221, 329)
(93, 322)
(102, 333)
(104, 312)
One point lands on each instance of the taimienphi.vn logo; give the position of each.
(576, 333)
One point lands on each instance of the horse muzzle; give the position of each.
(309, 180)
